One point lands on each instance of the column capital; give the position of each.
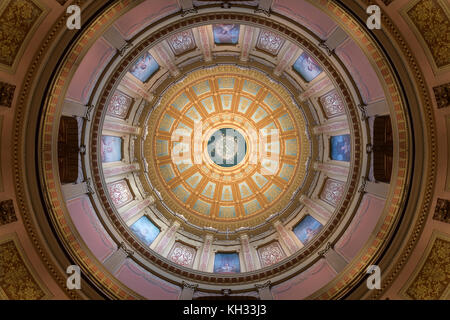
(190, 286)
(263, 285)
(322, 252)
(125, 249)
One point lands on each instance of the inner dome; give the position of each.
(227, 147)
(213, 177)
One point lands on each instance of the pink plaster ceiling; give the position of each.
(306, 14)
(88, 225)
(361, 227)
(305, 283)
(361, 70)
(145, 284)
(143, 15)
(89, 71)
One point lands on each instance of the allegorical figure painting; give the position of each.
(226, 263)
(226, 33)
(307, 67)
(340, 147)
(111, 148)
(145, 230)
(145, 67)
(307, 229)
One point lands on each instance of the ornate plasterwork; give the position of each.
(120, 193)
(17, 280)
(182, 254)
(182, 42)
(17, 21)
(227, 96)
(332, 191)
(332, 104)
(431, 18)
(119, 105)
(271, 254)
(433, 279)
(269, 42)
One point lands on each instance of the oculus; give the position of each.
(227, 147)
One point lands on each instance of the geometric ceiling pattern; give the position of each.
(216, 184)
(271, 141)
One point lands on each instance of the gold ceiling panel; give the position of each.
(227, 145)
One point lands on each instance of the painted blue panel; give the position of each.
(226, 33)
(227, 263)
(307, 67)
(307, 229)
(145, 230)
(341, 147)
(111, 148)
(145, 67)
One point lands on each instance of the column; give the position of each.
(247, 43)
(285, 237)
(137, 89)
(166, 60)
(205, 253)
(318, 212)
(264, 291)
(204, 43)
(286, 58)
(187, 293)
(323, 85)
(138, 207)
(120, 127)
(247, 253)
(331, 127)
(167, 238)
(330, 169)
(114, 261)
(121, 169)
